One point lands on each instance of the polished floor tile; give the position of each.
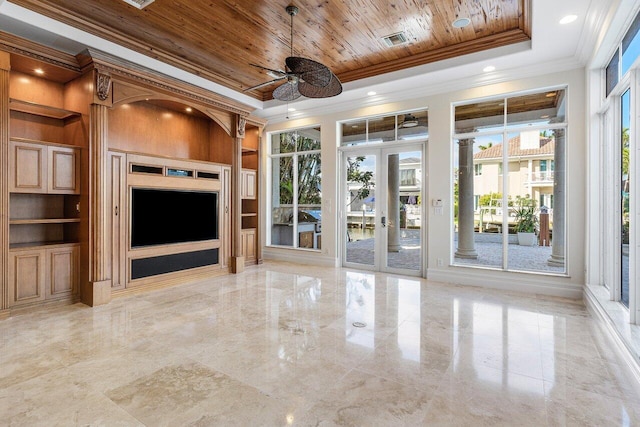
(284, 344)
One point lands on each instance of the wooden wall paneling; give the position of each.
(4, 183)
(158, 131)
(220, 145)
(98, 290)
(226, 234)
(37, 128)
(25, 87)
(237, 255)
(78, 97)
(118, 214)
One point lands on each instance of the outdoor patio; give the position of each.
(360, 250)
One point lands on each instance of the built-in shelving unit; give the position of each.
(249, 193)
(44, 194)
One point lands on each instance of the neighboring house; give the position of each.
(410, 185)
(531, 169)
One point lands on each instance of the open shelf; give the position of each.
(41, 244)
(41, 110)
(43, 221)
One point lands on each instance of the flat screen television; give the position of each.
(161, 217)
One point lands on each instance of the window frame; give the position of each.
(295, 206)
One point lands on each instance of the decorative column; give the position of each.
(559, 177)
(466, 241)
(99, 287)
(237, 253)
(393, 203)
(4, 183)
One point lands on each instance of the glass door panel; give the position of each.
(625, 185)
(403, 221)
(360, 209)
(382, 211)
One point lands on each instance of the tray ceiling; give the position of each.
(218, 39)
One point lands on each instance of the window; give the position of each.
(612, 73)
(625, 220)
(618, 197)
(407, 177)
(631, 45)
(295, 182)
(373, 130)
(497, 208)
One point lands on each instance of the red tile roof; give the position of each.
(495, 151)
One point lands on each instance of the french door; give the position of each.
(382, 215)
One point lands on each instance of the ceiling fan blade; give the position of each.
(310, 71)
(263, 84)
(280, 72)
(311, 91)
(287, 91)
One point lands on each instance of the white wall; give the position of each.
(439, 170)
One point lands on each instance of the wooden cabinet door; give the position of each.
(248, 187)
(63, 170)
(249, 244)
(27, 275)
(28, 168)
(62, 269)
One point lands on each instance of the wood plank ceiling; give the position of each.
(218, 39)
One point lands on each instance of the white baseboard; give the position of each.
(533, 284)
(594, 306)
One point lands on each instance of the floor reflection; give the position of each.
(277, 345)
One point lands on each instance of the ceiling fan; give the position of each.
(304, 77)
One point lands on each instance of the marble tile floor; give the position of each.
(284, 344)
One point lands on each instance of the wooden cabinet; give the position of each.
(248, 187)
(40, 168)
(61, 277)
(26, 276)
(63, 171)
(249, 241)
(44, 273)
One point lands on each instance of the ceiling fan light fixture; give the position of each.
(409, 121)
(304, 77)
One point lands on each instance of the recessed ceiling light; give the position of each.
(461, 22)
(568, 19)
(371, 93)
(291, 109)
(188, 109)
(489, 68)
(39, 71)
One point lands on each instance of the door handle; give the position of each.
(384, 221)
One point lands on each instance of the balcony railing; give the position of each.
(545, 176)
